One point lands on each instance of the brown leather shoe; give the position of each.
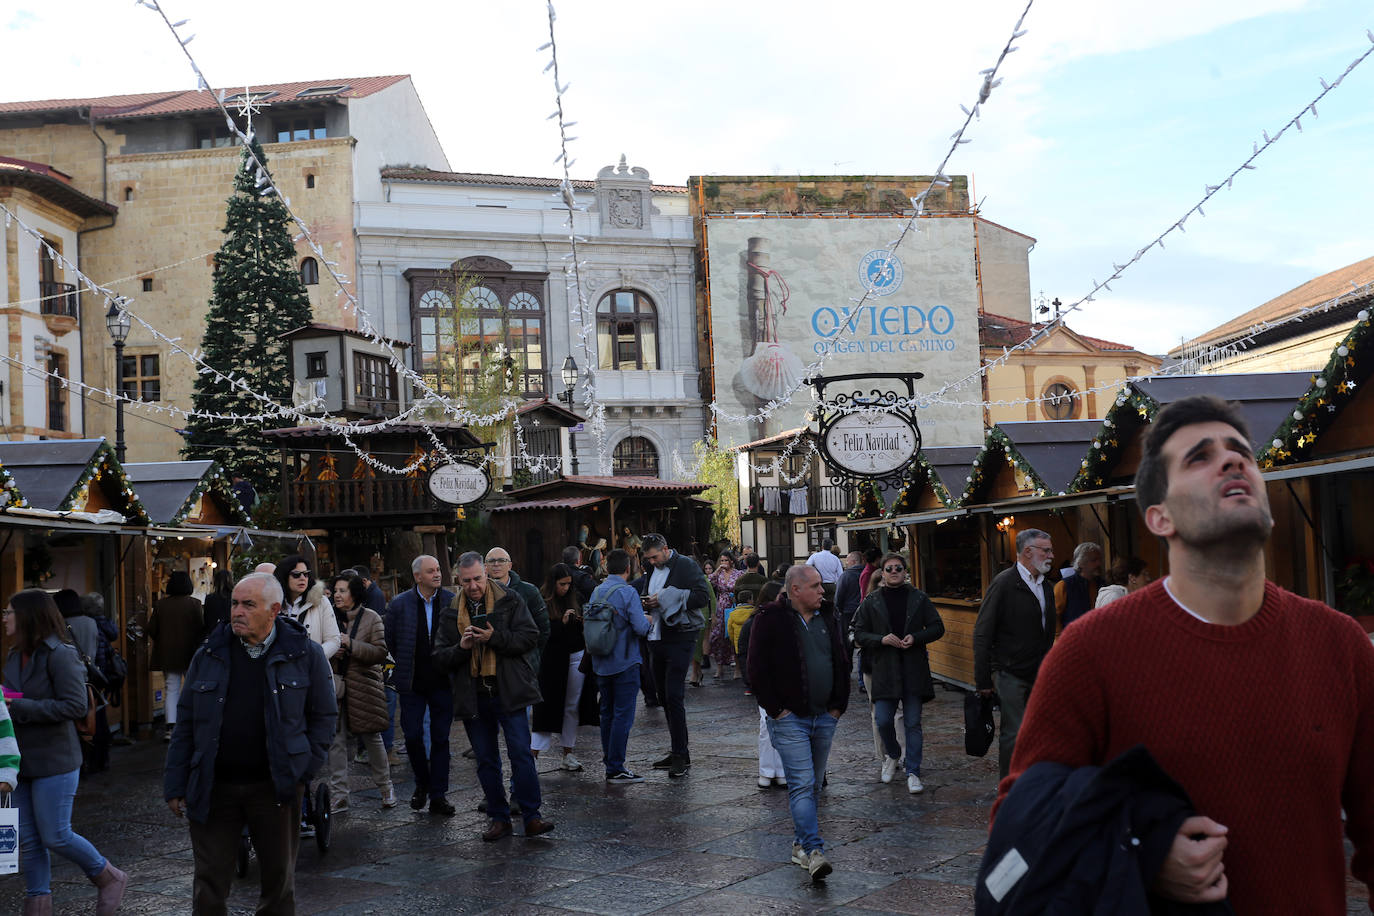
(537, 826)
(497, 830)
(38, 906)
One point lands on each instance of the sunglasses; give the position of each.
(300, 573)
(894, 569)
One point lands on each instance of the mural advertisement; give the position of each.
(785, 291)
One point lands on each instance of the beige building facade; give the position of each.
(167, 161)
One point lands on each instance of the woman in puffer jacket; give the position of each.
(363, 713)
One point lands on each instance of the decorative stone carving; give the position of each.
(624, 198)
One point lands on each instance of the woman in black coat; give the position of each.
(893, 626)
(569, 696)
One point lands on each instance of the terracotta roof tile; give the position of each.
(1313, 292)
(503, 181)
(153, 104)
(1002, 331)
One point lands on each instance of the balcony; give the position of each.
(320, 499)
(819, 499)
(60, 306)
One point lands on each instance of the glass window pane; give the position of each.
(605, 351)
(128, 366)
(152, 390)
(648, 338)
(624, 301)
(604, 306)
(149, 365)
(534, 344)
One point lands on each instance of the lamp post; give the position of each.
(117, 322)
(569, 375)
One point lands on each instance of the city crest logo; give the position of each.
(880, 272)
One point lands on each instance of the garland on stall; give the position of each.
(923, 474)
(213, 481)
(1132, 406)
(104, 467)
(998, 443)
(1332, 388)
(9, 491)
(868, 502)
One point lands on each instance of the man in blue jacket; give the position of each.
(254, 724)
(617, 674)
(410, 621)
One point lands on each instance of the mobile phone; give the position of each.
(478, 620)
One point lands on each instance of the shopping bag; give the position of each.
(9, 835)
(978, 724)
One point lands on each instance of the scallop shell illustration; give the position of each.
(772, 372)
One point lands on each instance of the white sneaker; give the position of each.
(389, 798)
(914, 785)
(765, 782)
(571, 763)
(799, 856)
(889, 768)
(780, 781)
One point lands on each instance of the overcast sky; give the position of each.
(1111, 119)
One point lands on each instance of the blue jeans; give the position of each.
(45, 824)
(389, 733)
(482, 734)
(428, 758)
(884, 714)
(803, 743)
(618, 695)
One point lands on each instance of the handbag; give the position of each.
(978, 724)
(116, 673)
(9, 835)
(94, 675)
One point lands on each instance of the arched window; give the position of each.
(310, 272)
(635, 456)
(1060, 401)
(626, 331)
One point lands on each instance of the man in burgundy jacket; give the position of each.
(800, 674)
(1259, 703)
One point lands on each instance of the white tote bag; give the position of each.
(9, 835)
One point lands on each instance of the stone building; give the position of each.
(167, 161)
(498, 245)
(41, 306)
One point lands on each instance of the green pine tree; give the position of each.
(257, 296)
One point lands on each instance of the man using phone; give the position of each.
(483, 639)
(672, 638)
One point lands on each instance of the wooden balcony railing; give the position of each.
(379, 496)
(827, 499)
(59, 299)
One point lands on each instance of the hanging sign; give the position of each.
(459, 483)
(870, 443)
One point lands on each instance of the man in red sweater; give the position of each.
(1258, 702)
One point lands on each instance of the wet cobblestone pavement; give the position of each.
(709, 843)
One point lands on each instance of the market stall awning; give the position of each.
(612, 486)
(576, 502)
(72, 474)
(1054, 449)
(1266, 399)
(909, 518)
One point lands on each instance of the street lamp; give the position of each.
(117, 322)
(569, 375)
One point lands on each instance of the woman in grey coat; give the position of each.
(47, 679)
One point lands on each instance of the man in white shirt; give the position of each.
(828, 565)
(1015, 629)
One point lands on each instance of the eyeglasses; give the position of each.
(494, 561)
(894, 569)
(300, 573)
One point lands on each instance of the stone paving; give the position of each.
(708, 843)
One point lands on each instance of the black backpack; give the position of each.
(598, 623)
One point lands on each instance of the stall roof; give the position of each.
(546, 409)
(1266, 399)
(1053, 448)
(49, 473)
(168, 489)
(464, 436)
(575, 502)
(648, 486)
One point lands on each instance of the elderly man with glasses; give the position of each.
(499, 570)
(1014, 630)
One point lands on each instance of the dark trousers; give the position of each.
(482, 734)
(672, 657)
(430, 764)
(276, 833)
(646, 675)
(1012, 696)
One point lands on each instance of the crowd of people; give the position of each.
(1114, 693)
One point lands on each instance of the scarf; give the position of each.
(483, 663)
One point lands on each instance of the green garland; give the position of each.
(9, 491)
(213, 480)
(868, 502)
(998, 444)
(1332, 388)
(1132, 405)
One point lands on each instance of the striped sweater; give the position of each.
(9, 748)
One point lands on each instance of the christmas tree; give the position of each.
(257, 296)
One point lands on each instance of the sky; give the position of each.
(1110, 121)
